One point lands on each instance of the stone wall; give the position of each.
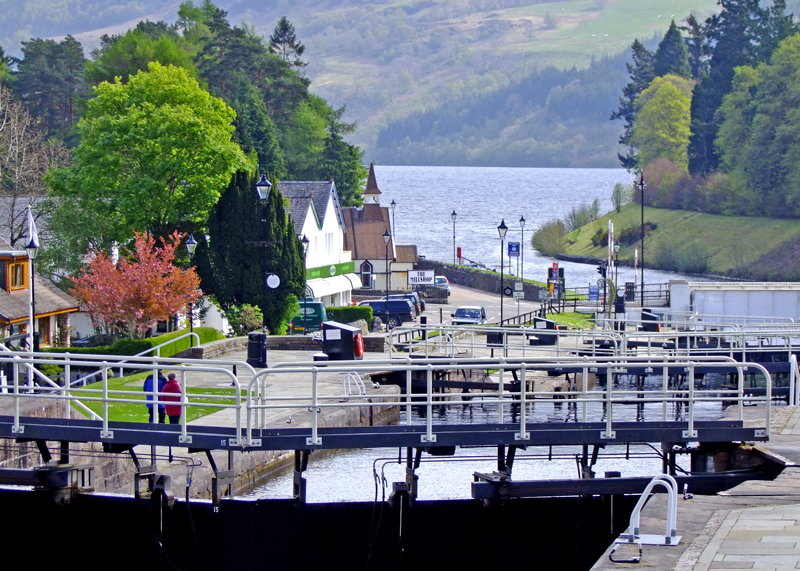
(481, 279)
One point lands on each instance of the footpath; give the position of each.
(755, 525)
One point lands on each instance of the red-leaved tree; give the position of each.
(141, 289)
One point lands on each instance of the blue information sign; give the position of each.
(513, 249)
(594, 293)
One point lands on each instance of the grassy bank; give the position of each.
(748, 247)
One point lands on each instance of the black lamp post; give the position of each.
(521, 269)
(641, 186)
(263, 186)
(32, 249)
(453, 216)
(191, 246)
(393, 204)
(386, 237)
(502, 229)
(305, 242)
(616, 263)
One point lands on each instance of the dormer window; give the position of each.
(17, 275)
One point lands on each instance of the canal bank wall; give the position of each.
(483, 280)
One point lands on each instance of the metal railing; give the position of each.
(251, 406)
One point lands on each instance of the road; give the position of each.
(460, 295)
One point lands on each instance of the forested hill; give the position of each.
(550, 118)
(397, 62)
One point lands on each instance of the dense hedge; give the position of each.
(350, 313)
(135, 346)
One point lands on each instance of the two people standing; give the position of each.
(170, 385)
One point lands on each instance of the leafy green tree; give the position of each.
(49, 80)
(696, 46)
(671, 56)
(641, 73)
(5, 67)
(155, 155)
(759, 135)
(662, 121)
(127, 54)
(284, 42)
(621, 195)
(743, 33)
(231, 263)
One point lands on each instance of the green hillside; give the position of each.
(387, 59)
(748, 247)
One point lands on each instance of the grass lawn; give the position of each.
(137, 411)
(573, 320)
(731, 241)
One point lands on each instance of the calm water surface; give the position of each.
(482, 197)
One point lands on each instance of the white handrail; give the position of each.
(671, 535)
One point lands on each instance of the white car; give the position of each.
(469, 315)
(442, 282)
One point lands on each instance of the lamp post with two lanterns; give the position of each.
(191, 246)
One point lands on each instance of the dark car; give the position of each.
(392, 312)
(412, 297)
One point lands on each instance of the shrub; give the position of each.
(244, 319)
(350, 313)
(691, 259)
(549, 238)
(134, 346)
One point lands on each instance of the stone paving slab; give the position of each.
(753, 526)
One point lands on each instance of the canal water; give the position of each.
(425, 197)
(363, 475)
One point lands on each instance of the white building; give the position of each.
(317, 215)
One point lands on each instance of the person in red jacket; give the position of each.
(173, 410)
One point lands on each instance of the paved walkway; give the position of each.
(755, 525)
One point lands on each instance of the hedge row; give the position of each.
(350, 313)
(135, 346)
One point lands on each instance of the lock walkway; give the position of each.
(755, 525)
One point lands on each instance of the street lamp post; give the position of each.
(386, 237)
(453, 216)
(616, 263)
(393, 204)
(32, 248)
(305, 241)
(641, 186)
(263, 186)
(502, 229)
(521, 270)
(191, 246)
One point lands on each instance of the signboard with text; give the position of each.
(420, 277)
(513, 249)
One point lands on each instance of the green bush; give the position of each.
(691, 259)
(135, 346)
(350, 313)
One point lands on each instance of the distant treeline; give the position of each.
(552, 117)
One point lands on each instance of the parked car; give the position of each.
(442, 282)
(469, 315)
(411, 296)
(392, 312)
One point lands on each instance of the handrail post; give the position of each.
(184, 437)
(106, 433)
(408, 391)
(314, 440)
(690, 432)
(609, 433)
(500, 408)
(523, 388)
(584, 390)
(16, 429)
(67, 386)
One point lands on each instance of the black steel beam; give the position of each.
(403, 436)
(696, 484)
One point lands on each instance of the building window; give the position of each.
(366, 275)
(17, 275)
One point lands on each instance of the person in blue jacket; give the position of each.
(148, 389)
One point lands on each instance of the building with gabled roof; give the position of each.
(52, 306)
(381, 266)
(316, 214)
